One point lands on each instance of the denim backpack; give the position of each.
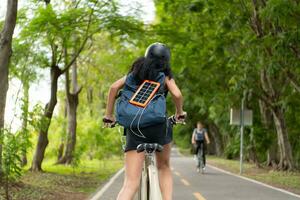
(131, 116)
(199, 135)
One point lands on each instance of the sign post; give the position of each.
(241, 117)
(242, 135)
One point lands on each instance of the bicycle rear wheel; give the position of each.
(143, 193)
(200, 159)
(155, 193)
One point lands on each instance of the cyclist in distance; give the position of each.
(200, 136)
(155, 61)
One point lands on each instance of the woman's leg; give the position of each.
(198, 146)
(204, 154)
(133, 168)
(165, 174)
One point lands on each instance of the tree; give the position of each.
(21, 66)
(71, 103)
(57, 34)
(59, 29)
(226, 49)
(5, 54)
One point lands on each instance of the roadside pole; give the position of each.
(241, 117)
(242, 132)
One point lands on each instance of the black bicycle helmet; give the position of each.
(158, 50)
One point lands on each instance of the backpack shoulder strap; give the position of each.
(130, 83)
(161, 79)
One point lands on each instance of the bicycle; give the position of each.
(149, 183)
(200, 161)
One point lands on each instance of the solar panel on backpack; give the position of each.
(144, 93)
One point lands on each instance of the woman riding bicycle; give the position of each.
(199, 140)
(156, 60)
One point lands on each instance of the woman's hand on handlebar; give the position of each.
(180, 117)
(109, 121)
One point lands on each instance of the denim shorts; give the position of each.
(160, 133)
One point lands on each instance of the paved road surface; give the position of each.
(213, 185)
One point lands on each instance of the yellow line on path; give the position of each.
(199, 196)
(185, 182)
(177, 173)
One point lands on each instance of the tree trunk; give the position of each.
(5, 54)
(253, 155)
(286, 159)
(252, 150)
(293, 80)
(43, 133)
(25, 121)
(266, 115)
(60, 151)
(272, 156)
(273, 97)
(63, 138)
(72, 124)
(90, 99)
(24, 160)
(214, 131)
(267, 118)
(72, 103)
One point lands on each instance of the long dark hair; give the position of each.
(148, 68)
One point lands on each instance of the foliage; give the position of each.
(218, 53)
(11, 155)
(11, 159)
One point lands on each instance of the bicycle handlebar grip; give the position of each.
(172, 120)
(180, 117)
(175, 121)
(111, 123)
(105, 120)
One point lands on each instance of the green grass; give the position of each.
(65, 182)
(286, 180)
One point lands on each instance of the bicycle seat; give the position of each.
(149, 147)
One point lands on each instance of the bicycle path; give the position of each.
(215, 184)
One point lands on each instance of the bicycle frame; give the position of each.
(149, 183)
(200, 163)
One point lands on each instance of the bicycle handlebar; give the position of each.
(175, 121)
(172, 119)
(111, 123)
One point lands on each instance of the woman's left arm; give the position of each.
(206, 137)
(193, 138)
(113, 92)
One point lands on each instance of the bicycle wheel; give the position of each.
(200, 159)
(155, 193)
(143, 193)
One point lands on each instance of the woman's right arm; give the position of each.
(206, 137)
(176, 95)
(113, 92)
(193, 138)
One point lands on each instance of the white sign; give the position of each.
(235, 117)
